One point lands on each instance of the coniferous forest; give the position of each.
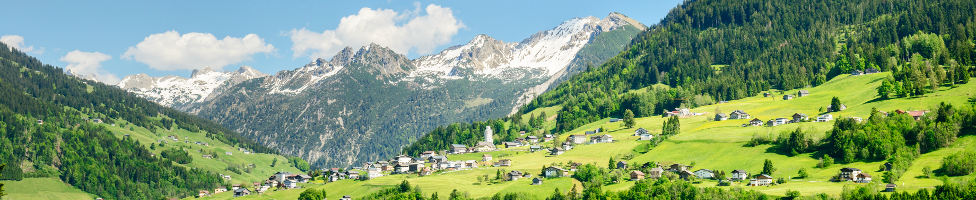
(47, 130)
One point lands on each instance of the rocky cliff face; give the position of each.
(179, 92)
(365, 104)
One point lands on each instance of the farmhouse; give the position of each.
(778, 121)
(621, 164)
(239, 192)
(536, 181)
(345, 197)
(738, 175)
(767, 94)
(646, 136)
(825, 118)
(755, 122)
(552, 172)
(656, 172)
(761, 180)
(503, 163)
(567, 145)
(788, 97)
(863, 178)
(685, 174)
(547, 137)
(890, 187)
(556, 151)
(427, 154)
(511, 144)
(612, 120)
(677, 168)
(799, 117)
(704, 173)
(802, 93)
(841, 108)
(848, 174)
(577, 139)
(636, 175)
(721, 117)
(532, 139)
(739, 114)
(601, 139)
(513, 175)
(458, 148)
(640, 131)
(486, 157)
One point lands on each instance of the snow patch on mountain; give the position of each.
(174, 90)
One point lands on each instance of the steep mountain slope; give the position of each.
(179, 92)
(366, 104)
(56, 125)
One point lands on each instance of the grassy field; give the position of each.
(706, 144)
(187, 140)
(42, 188)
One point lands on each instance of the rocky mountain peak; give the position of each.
(198, 72)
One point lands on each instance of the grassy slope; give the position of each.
(219, 165)
(709, 144)
(42, 188)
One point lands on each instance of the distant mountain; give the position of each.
(366, 104)
(178, 92)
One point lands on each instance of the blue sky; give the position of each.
(113, 37)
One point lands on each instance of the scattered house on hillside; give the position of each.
(535, 148)
(458, 148)
(567, 145)
(679, 112)
(685, 174)
(871, 70)
(655, 172)
(352, 174)
(755, 122)
(848, 174)
(547, 137)
(738, 175)
(621, 164)
(521, 133)
(677, 168)
(207, 156)
(373, 172)
(503, 163)
(825, 118)
(612, 120)
(601, 139)
(239, 192)
(345, 197)
(486, 157)
(403, 159)
(739, 114)
(590, 132)
(890, 187)
(640, 131)
(513, 175)
(553, 172)
(856, 72)
(426, 171)
(220, 190)
(778, 121)
(761, 180)
(646, 136)
(536, 181)
(435, 159)
(577, 139)
(721, 117)
(97, 120)
(917, 114)
(802, 93)
(203, 193)
(788, 97)
(705, 174)
(556, 151)
(799, 117)
(511, 144)
(767, 94)
(228, 153)
(290, 183)
(427, 154)
(532, 139)
(279, 176)
(636, 175)
(863, 178)
(401, 168)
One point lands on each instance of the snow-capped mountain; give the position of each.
(175, 91)
(366, 103)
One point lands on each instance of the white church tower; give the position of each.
(488, 135)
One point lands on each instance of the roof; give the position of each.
(707, 170)
(764, 176)
(916, 113)
(658, 169)
(849, 169)
(799, 115)
(755, 120)
(556, 168)
(458, 146)
(739, 171)
(637, 172)
(865, 175)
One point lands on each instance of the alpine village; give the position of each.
(713, 99)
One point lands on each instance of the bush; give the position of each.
(177, 155)
(959, 164)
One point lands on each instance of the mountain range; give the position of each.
(366, 104)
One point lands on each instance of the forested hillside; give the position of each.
(54, 125)
(708, 51)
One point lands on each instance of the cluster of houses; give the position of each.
(577, 139)
(869, 70)
(488, 144)
(853, 175)
(795, 118)
(284, 180)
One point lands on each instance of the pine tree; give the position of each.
(611, 165)
(768, 168)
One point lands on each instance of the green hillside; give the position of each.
(60, 131)
(708, 144)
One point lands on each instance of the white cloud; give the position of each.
(89, 65)
(419, 33)
(172, 51)
(17, 42)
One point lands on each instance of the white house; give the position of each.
(761, 180)
(551, 172)
(646, 136)
(825, 118)
(738, 175)
(705, 174)
(577, 139)
(739, 114)
(601, 139)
